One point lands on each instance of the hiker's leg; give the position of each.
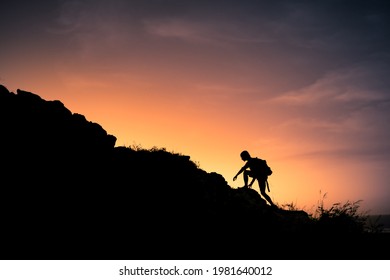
(246, 176)
(263, 193)
(266, 196)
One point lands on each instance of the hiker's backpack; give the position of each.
(264, 169)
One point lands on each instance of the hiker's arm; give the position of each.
(239, 172)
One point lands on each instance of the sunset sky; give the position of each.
(302, 84)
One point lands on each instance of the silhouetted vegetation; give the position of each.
(69, 192)
(341, 218)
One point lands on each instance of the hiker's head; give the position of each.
(245, 155)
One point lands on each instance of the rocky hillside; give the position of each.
(68, 192)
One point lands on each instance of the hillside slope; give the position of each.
(68, 192)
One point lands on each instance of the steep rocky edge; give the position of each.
(68, 192)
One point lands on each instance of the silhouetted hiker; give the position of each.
(251, 169)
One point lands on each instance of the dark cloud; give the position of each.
(298, 41)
